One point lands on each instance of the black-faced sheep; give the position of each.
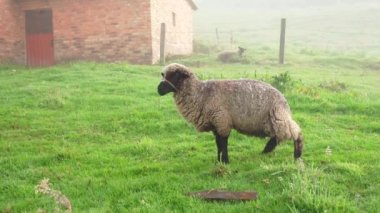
(231, 56)
(251, 107)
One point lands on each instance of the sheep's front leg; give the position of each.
(222, 147)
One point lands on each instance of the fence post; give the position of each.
(282, 42)
(217, 37)
(162, 43)
(232, 38)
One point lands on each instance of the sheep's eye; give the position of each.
(162, 74)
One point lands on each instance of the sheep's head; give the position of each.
(173, 76)
(241, 51)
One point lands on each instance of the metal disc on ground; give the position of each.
(225, 196)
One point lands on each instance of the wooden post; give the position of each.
(282, 42)
(217, 36)
(162, 43)
(232, 38)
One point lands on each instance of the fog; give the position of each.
(336, 24)
(280, 4)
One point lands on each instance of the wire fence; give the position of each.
(297, 33)
(306, 36)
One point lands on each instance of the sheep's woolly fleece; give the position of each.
(249, 106)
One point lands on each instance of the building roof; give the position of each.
(192, 4)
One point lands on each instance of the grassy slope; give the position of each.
(106, 139)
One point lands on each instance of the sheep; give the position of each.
(231, 56)
(249, 106)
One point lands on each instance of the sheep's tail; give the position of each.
(282, 123)
(285, 127)
(294, 129)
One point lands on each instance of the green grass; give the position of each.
(104, 137)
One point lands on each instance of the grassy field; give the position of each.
(105, 139)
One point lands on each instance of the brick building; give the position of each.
(44, 32)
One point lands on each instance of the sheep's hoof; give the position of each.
(297, 154)
(300, 163)
(224, 162)
(264, 152)
(221, 162)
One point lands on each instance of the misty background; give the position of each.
(337, 25)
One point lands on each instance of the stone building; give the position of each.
(44, 32)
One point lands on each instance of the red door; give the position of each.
(39, 37)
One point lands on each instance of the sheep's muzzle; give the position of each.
(165, 87)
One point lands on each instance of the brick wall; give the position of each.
(112, 30)
(101, 30)
(179, 38)
(12, 47)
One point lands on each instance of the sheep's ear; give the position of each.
(182, 73)
(185, 75)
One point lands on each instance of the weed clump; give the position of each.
(60, 199)
(310, 191)
(222, 170)
(308, 91)
(55, 99)
(282, 81)
(334, 86)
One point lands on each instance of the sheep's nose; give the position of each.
(160, 88)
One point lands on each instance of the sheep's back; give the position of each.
(226, 55)
(248, 103)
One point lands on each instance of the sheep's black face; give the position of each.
(164, 87)
(241, 51)
(171, 82)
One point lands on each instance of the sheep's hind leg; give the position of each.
(218, 146)
(271, 145)
(298, 146)
(222, 148)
